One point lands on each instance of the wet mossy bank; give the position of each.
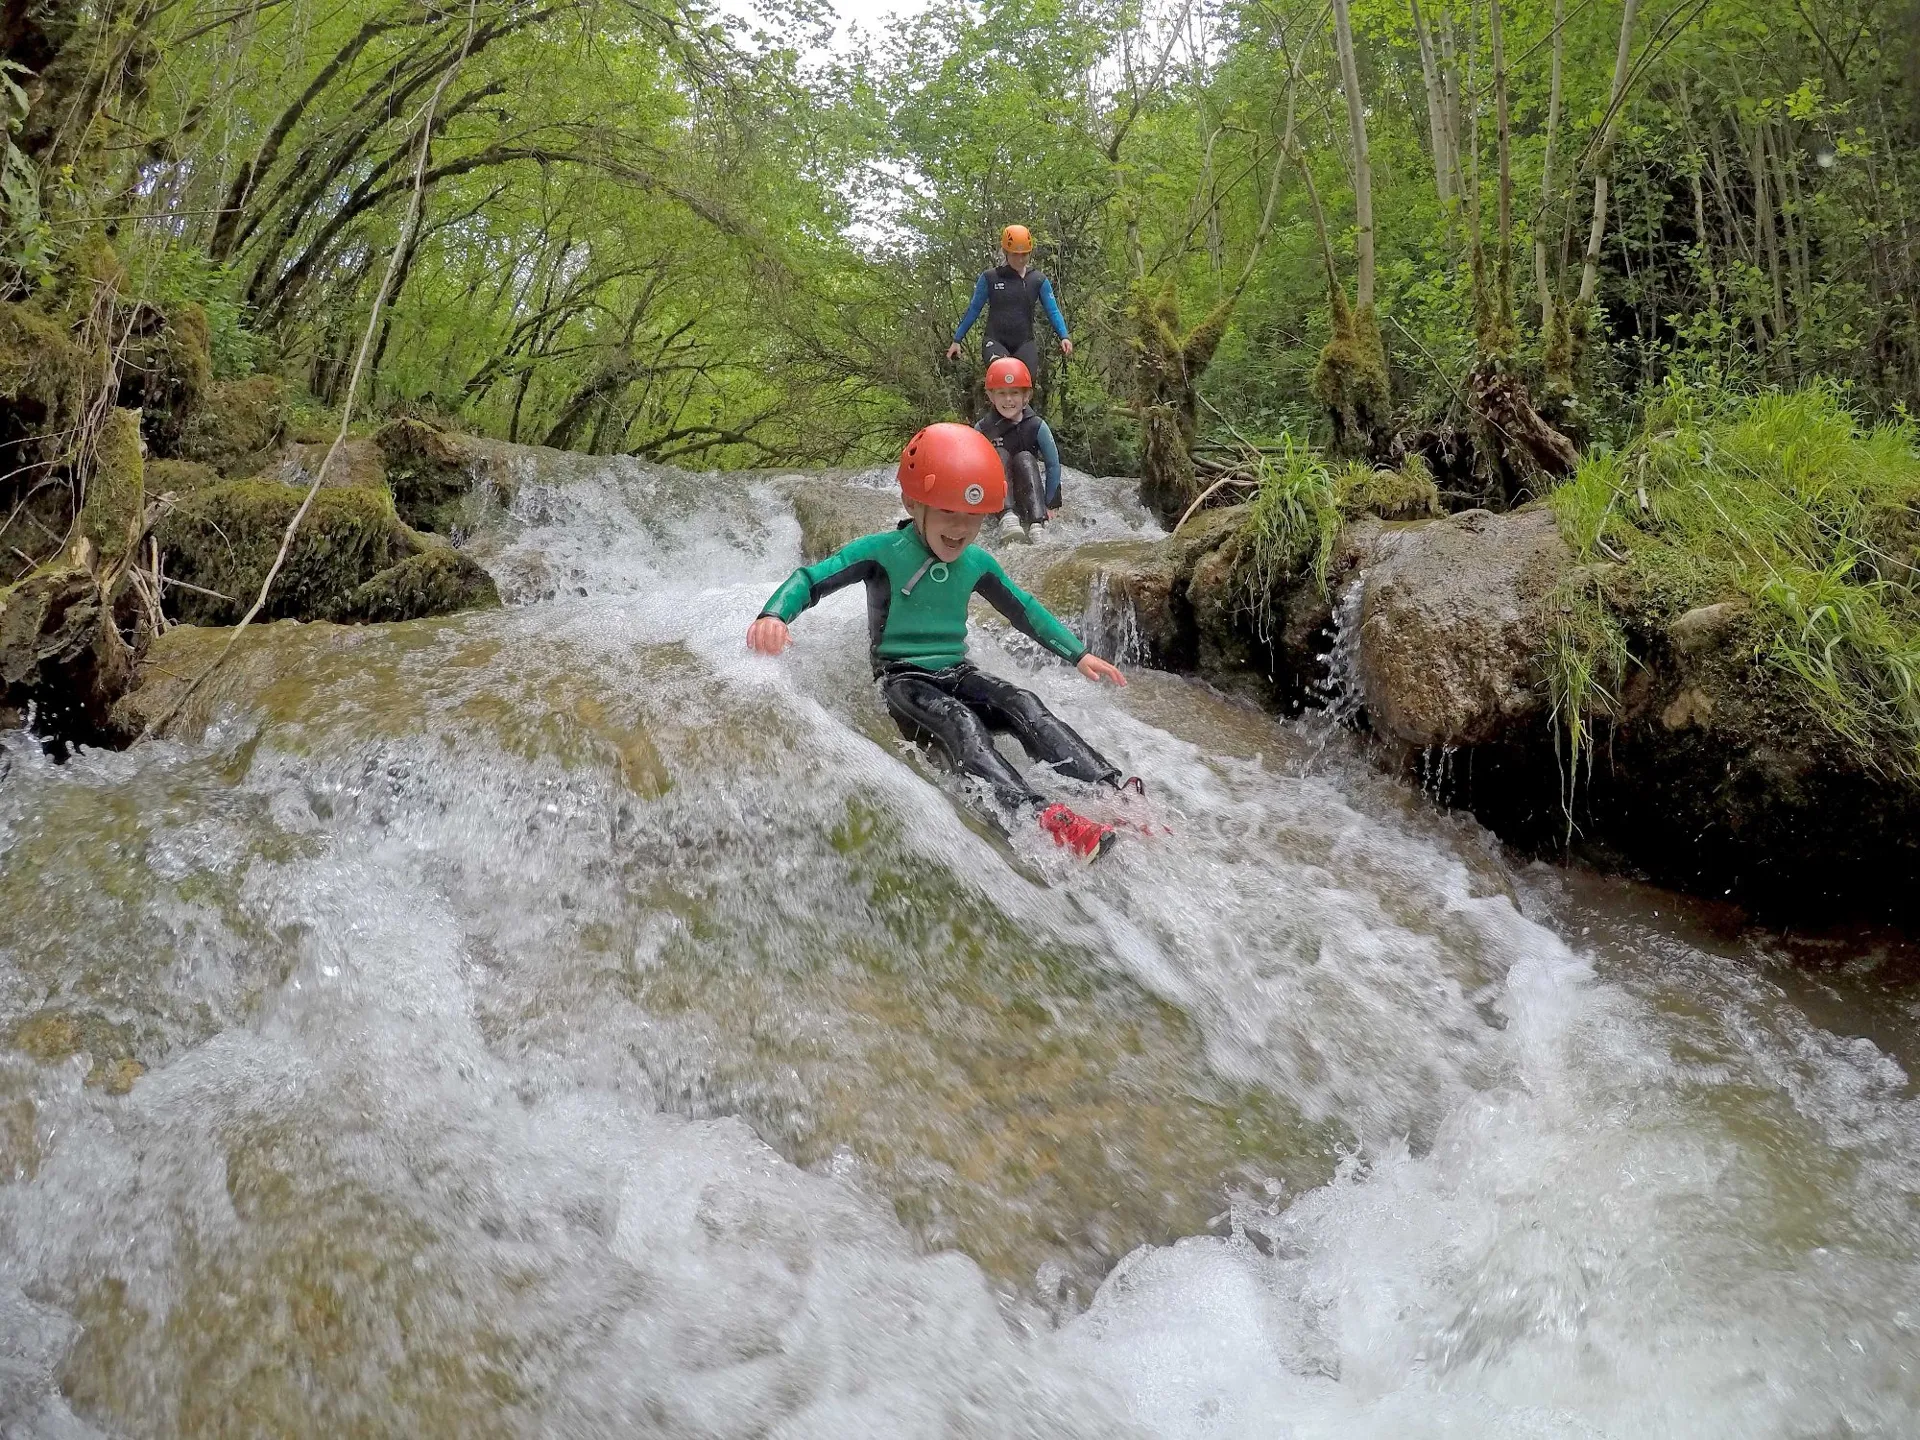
(1723, 708)
(177, 541)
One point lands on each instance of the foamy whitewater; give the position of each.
(559, 1021)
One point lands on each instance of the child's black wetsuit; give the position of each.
(917, 618)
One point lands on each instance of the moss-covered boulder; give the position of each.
(61, 654)
(179, 477)
(429, 471)
(437, 581)
(237, 427)
(832, 515)
(166, 370)
(1408, 493)
(358, 466)
(222, 540)
(352, 559)
(110, 513)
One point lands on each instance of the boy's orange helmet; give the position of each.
(1016, 240)
(953, 467)
(1009, 374)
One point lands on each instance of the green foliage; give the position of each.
(1292, 522)
(1786, 501)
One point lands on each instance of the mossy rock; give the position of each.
(1408, 493)
(110, 514)
(429, 471)
(40, 365)
(43, 385)
(438, 581)
(831, 515)
(166, 371)
(238, 426)
(179, 477)
(61, 653)
(224, 539)
(358, 466)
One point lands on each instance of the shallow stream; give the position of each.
(558, 1021)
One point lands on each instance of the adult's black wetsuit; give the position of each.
(1008, 297)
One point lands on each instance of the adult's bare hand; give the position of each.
(1066, 347)
(953, 351)
(1094, 668)
(768, 635)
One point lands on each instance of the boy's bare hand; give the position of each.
(768, 635)
(1094, 668)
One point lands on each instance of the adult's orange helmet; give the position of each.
(1007, 373)
(1016, 240)
(953, 467)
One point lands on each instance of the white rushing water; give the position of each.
(559, 1021)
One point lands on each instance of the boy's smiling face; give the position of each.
(1008, 402)
(947, 532)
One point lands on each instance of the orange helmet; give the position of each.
(1008, 373)
(953, 467)
(1016, 240)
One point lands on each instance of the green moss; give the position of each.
(1782, 500)
(166, 370)
(224, 539)
(438, 581)
(1404, 494)
(115, 489)
(178, 477)
(429, 472)
(1350, 380)
(42, 370)
(237, 427)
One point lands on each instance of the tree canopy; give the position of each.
(1482, 230)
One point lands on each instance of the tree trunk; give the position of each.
(1541, 281)
(1437, 127)
(1362, 169)
(1603, 159)
(1504, 338)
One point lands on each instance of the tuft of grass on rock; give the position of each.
(1784, 501)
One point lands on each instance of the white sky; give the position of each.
(870, 16)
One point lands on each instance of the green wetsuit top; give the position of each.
(917, 604)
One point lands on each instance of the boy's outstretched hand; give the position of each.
(1094, 668)
(768, 635)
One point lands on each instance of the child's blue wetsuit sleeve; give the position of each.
(1052, 306)
(975, 306)
(1050, 455)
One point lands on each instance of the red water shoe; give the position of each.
(1079, 834)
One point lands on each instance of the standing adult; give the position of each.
(1008, 293)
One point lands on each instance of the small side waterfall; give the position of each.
(1111, 623)
(1337, 691)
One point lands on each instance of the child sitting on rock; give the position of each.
(919, 578)
(1024, 442)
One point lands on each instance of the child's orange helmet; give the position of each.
(953, 467)
(1009, 374)
(1016, 240)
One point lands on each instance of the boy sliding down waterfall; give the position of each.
(919, 578)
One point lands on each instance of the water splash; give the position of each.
(558, 1021)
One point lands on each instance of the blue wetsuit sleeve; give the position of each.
(974, 307)
(1050, 456)
(1051, 305)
